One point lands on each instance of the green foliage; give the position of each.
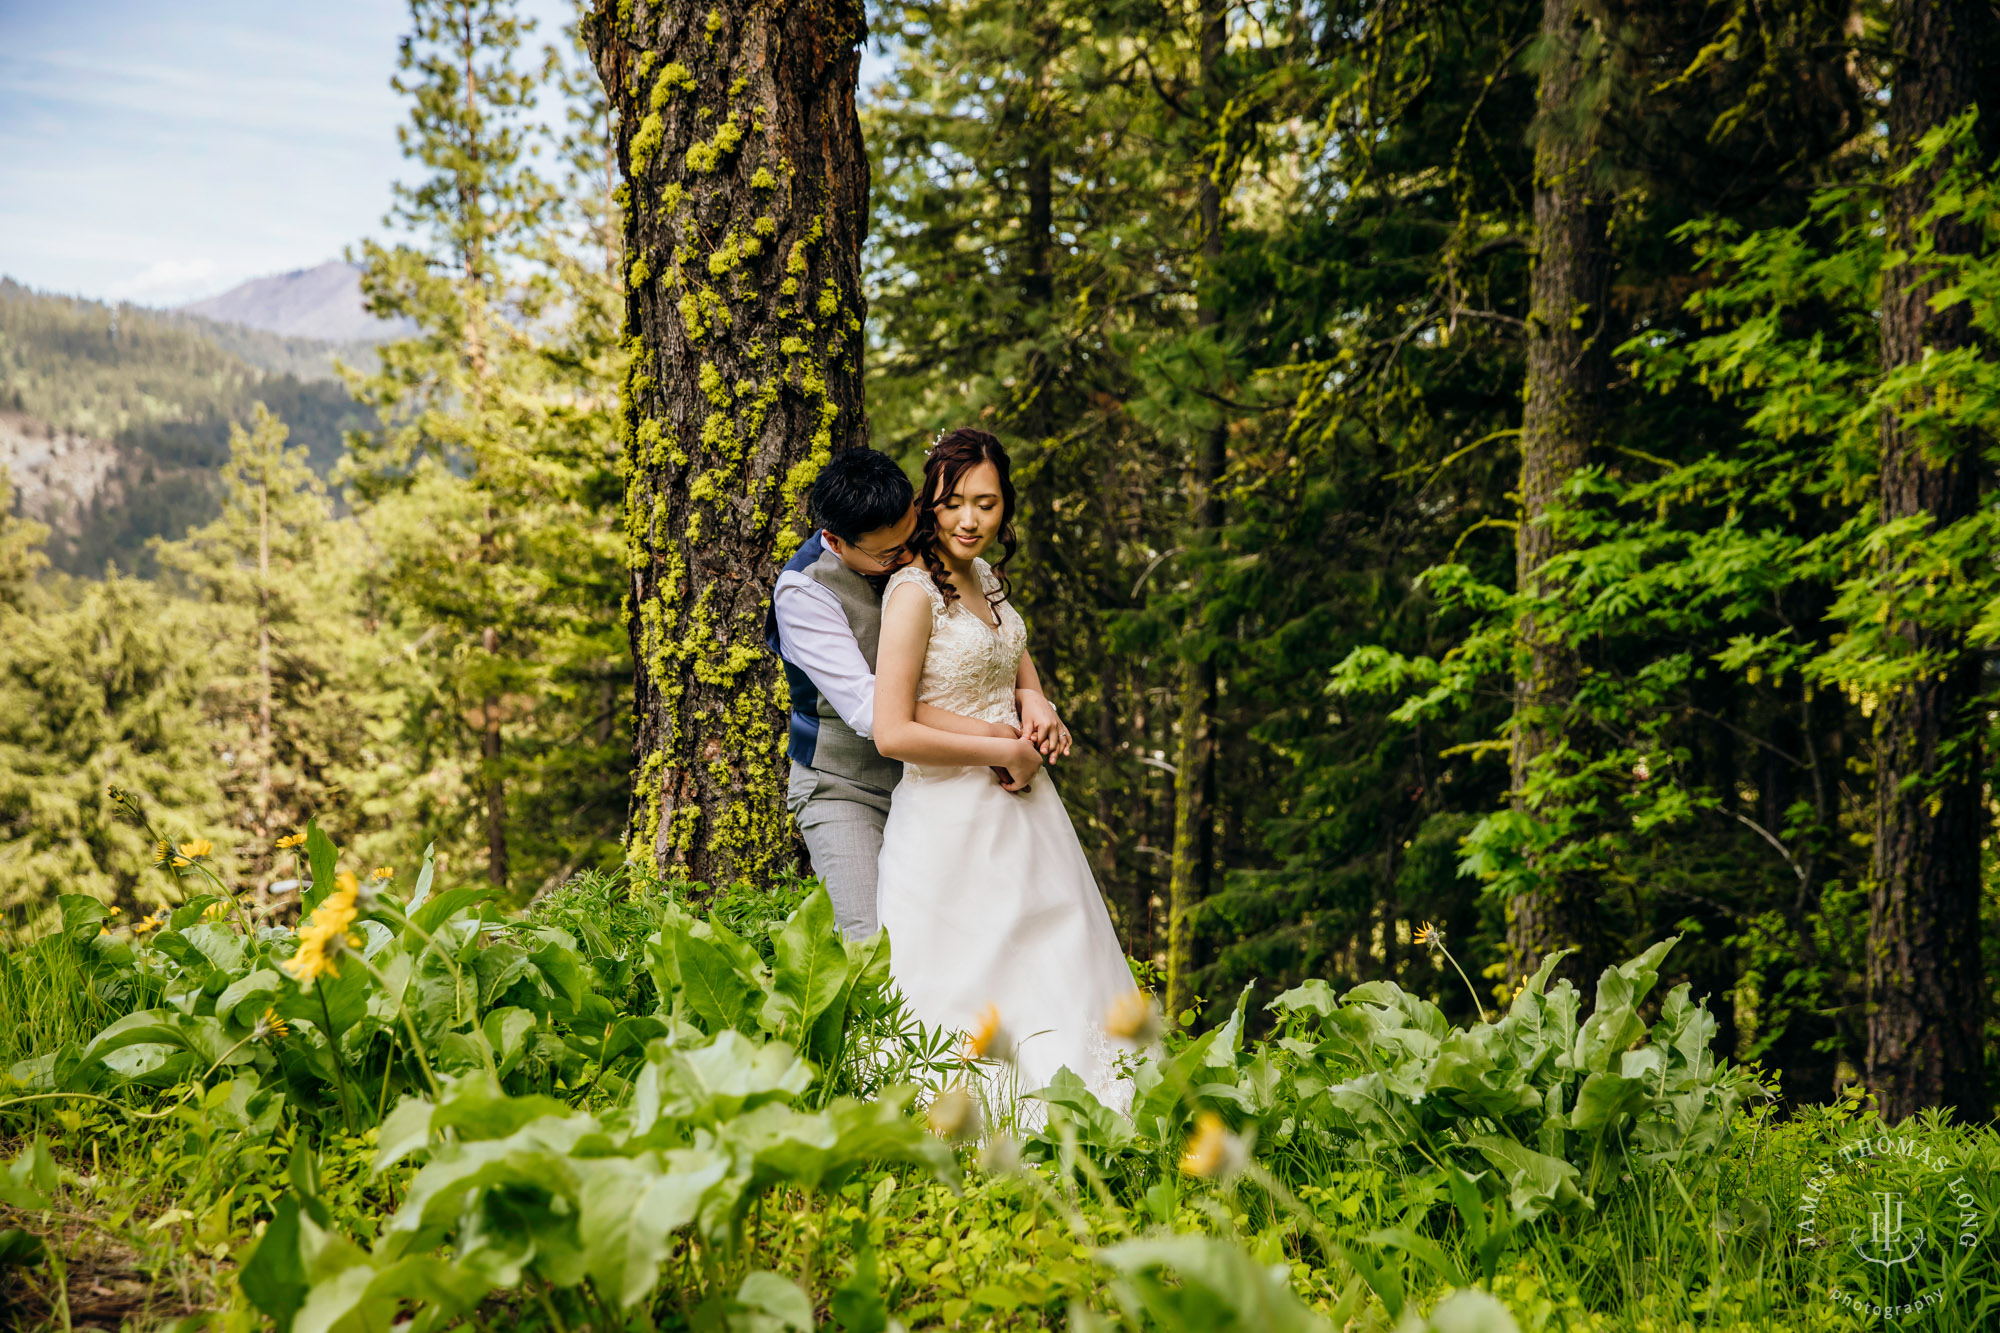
(97, 685)
(488, 483)
(670, 1113)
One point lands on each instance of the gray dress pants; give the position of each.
(841, 821)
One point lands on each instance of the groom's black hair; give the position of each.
(858, 492)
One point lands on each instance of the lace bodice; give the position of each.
(970, 668)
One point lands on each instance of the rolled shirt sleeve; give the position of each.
(814, 636)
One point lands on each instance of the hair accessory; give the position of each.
(934, 443)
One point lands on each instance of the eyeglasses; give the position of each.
(889, 556)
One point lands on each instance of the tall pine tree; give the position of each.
(747, 204)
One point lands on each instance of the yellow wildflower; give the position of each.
(270, 1027)
(322, 939)
(990, 1039)
(115, 910)
(291, 840)
(152, 921)
(382, 872)
(162, 853)
(181, 863)
(1431, 935)
(195, 848)
(1133, 1018)
(954, 1116)
(345, 882)
(1212, 1150)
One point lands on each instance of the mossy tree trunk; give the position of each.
(1925, 991)
(1569, 363)
(747, 193)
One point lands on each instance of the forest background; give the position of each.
(1479, 465)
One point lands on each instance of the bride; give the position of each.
(995, 923)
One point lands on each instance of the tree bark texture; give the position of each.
(1569, 363)
(748, 189)
(1925, 997)
(1193, 858)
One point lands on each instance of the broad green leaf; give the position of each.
(255, 993)
(365, 1299)
(82, 915)
(321, 858)
(476, 1108)
(718, 994)
(1605, 1101)
(812, 967)
(436, 911)
(423, 888)
(1098, 1128)
(1309, 997)
(30, 1178)
(715, 1082)
(20, 1249)
(405, 1130)
(630, 1212)
(778, 1299)
(194, 965)
(1615, 1023)
(507, 1030)
(1215, 1285)
(220, 944)
(499, 966)
(1467, 1310)
(193, 910)
(1536, 1181)
(273, 1277)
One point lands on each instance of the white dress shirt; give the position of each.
(814, 636)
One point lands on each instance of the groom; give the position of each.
(826, 615)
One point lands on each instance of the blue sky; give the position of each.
(162, 152)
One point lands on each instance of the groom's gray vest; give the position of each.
(819, 738)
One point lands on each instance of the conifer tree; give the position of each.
(1570, 337)
(1926, 1023)
(21, 553)
(272, 591)
(748, 187)
(100, 683)
(488, 486)
(1193, 855)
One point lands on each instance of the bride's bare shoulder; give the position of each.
(911, 576)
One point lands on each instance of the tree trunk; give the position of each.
(1193, 860)
(1569, 364)
(490, 748)
(264, 731)
(741, 150)
(1925, 997)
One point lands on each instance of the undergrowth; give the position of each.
(648, 1105)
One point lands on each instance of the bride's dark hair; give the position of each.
(956, 453)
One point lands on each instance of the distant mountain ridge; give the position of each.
(323, 303)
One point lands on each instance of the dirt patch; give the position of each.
(106, 1282)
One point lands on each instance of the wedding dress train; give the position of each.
(986, 893)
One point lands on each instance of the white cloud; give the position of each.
(167, 282)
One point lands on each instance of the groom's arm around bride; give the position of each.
(826, 620)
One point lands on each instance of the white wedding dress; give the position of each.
(985, 893)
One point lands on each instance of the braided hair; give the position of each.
(949, 458)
